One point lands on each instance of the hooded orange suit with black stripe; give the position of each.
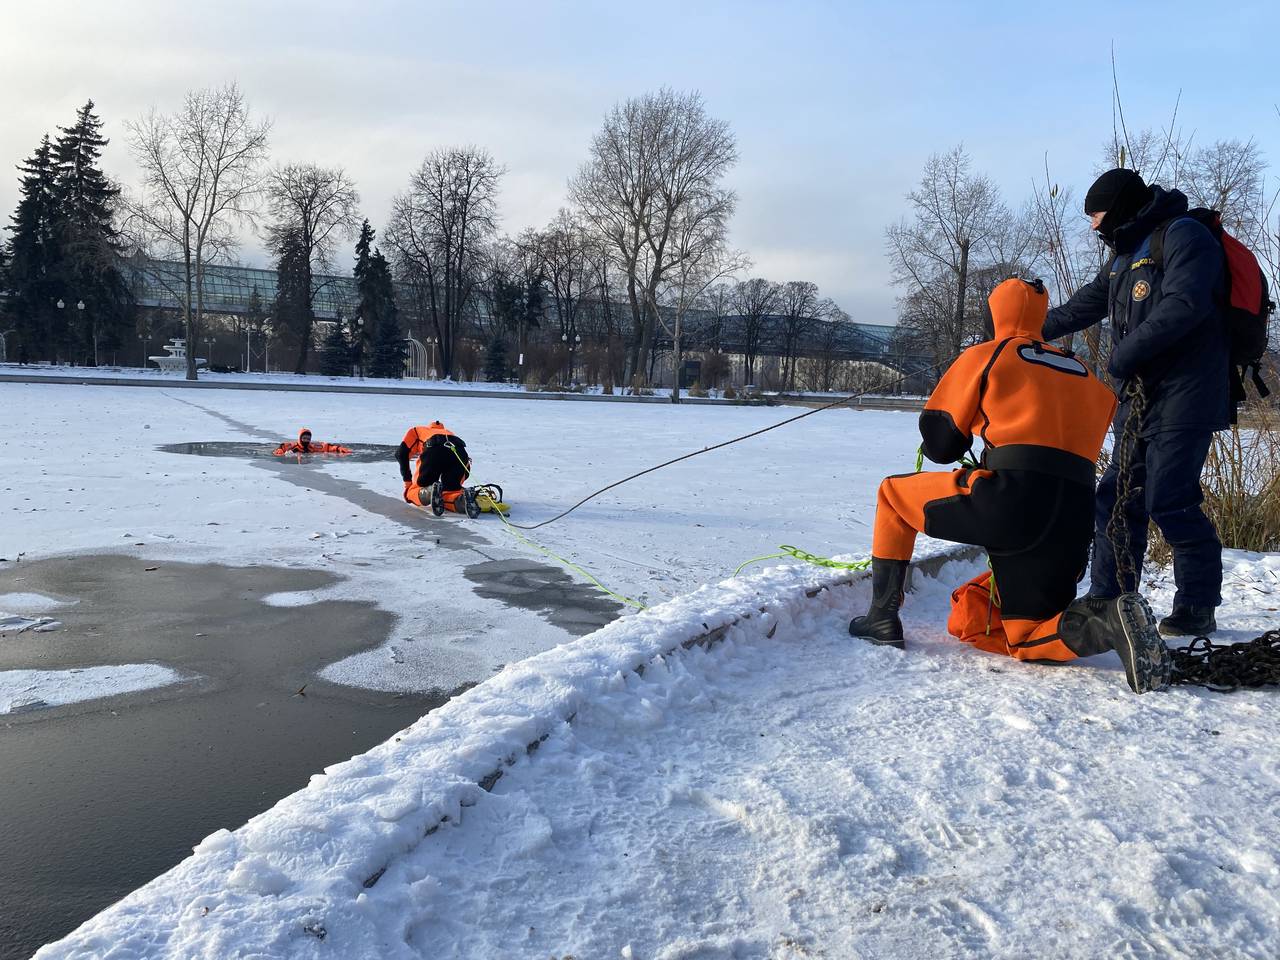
(1042, 417)
(442, 455)
(308, 446)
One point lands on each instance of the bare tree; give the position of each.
(1069, 253)
(797, 310)
(700, 261)
(438, 229)
(201, 179)
(514, 289)
(717, 301)
(954, 212)
(316, 205)
(566, 254)
(655, 171)
(1230, 176)
(755, 301)
(828, 331)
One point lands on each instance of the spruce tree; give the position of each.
(291, 319)
(335, 354)
(383, 340)
(35, 262)
(363, 334)
(495, 361)
(89, 244)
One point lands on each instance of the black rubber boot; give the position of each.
(881, 625)
(1092, 625)
(469, 505)
(1188, 621)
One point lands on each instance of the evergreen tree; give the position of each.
(34, 262)
(335, 354)
(292, 317)
(363, 334)
(89, 246)
(6, 320)
(382, 340)
(496, 368)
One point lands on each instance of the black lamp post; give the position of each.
(62, 305)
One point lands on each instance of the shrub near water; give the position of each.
(1241, 484)
(1241, 480)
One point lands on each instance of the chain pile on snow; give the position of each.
(1221, 667)
(1118, 522)
(1224, 667)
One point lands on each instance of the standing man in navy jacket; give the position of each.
(1168, 332)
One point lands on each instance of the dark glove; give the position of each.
(1120, 365)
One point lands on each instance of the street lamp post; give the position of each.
(62, 305)
(357, 347)
(572, 345)
(434, 341)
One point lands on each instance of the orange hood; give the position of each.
(302, 431)
(1018, 309)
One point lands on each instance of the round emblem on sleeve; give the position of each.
(1141, 290)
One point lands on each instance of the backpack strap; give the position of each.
(1259, 384)
(1156, 243)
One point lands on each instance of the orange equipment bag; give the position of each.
(975, 615)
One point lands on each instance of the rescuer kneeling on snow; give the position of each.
(305, 444)
(443, 466)
(1042, 416)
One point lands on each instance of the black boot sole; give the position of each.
(1147, 662)
(1169, 630)
(898, 643)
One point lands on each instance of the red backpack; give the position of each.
(1247, 305)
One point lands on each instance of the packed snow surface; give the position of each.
(788, 792)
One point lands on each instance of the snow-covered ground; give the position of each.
(83, 475)
(786, 793)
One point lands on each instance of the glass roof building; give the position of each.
(228, 289)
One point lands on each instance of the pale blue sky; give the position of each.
(836, 105)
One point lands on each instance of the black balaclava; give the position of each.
(1121, 193)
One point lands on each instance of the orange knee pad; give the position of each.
(975, 618)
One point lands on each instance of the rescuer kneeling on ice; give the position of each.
(1042, 417)
(443, 466)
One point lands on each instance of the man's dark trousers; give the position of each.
(1166, 487)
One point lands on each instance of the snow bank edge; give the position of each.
(316, 852)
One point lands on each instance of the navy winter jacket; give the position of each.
(1166, 325)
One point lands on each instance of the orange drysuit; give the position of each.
(308, 446)
(1042, 417)
(442, 455)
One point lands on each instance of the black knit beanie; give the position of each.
(1120, 192)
